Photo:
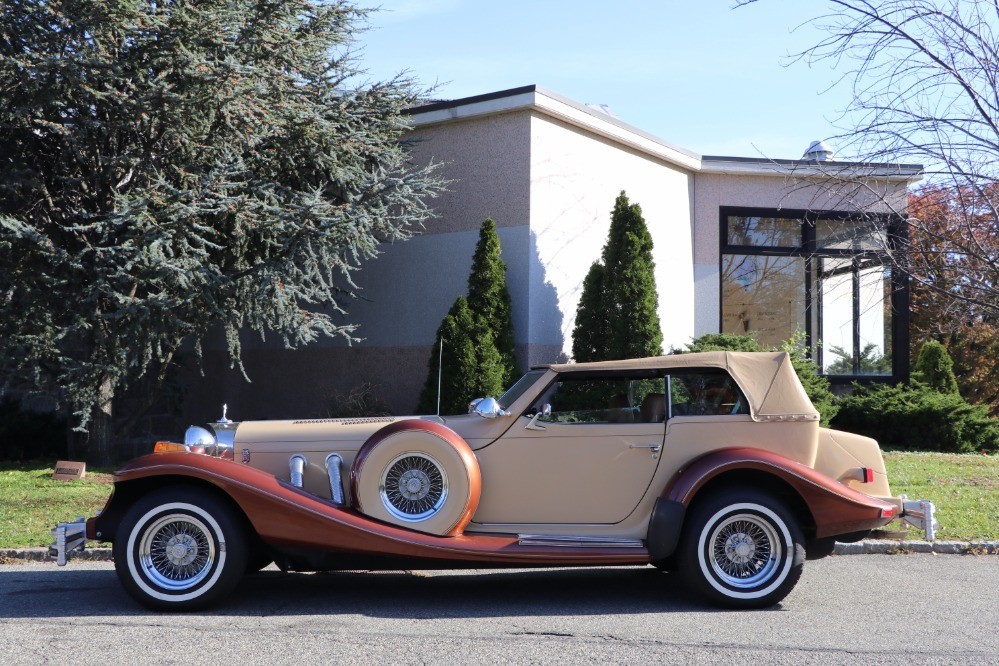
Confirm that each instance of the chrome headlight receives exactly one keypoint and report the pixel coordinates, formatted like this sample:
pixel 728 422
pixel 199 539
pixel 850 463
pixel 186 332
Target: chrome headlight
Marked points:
pixel 198 436
pixel 219 446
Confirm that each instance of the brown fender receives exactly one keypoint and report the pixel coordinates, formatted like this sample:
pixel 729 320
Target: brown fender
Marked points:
pixel 836 508
pixel 285 516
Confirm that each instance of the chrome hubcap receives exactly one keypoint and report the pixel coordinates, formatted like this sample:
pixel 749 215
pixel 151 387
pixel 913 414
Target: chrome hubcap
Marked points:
pixel 745 551
pixel 414 484
pixel 413 487
pixel 177 551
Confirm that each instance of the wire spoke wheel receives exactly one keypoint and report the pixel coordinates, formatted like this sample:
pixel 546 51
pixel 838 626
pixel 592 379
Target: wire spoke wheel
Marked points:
pixel 413 486
pixel 741 548
pixel 418 475
pixel 177 551
pixel 745 551
pixel 180 548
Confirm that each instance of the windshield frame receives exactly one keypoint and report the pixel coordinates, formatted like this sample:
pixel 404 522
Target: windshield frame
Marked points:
pixel 520 387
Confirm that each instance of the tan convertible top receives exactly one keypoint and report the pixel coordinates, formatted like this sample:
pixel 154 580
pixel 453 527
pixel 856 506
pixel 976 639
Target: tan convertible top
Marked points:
pixel 767 378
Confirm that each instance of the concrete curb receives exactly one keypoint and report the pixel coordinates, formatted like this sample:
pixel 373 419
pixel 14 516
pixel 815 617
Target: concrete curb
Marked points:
pixel 870 547
pixel 893 547
pixel 42 554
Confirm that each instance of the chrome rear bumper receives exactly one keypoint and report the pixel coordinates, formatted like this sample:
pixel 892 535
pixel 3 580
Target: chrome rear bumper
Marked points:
pixel 69 539
pixel 921 514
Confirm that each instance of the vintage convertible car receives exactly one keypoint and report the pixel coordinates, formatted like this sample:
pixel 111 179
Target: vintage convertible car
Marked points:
pixel 712 464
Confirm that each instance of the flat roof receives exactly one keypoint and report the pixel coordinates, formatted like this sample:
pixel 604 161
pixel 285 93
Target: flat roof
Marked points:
pixel 541 99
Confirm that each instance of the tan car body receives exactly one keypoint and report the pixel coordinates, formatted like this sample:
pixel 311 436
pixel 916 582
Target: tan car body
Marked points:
pixel 588 479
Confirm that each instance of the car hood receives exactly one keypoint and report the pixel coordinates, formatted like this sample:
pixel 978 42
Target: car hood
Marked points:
pixel 351 433
pixel 312 430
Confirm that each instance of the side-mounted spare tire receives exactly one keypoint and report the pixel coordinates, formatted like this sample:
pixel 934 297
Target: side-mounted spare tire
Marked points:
pixel 417 474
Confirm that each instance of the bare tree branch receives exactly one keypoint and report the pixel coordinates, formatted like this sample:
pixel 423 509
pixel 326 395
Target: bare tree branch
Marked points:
pixel 925 83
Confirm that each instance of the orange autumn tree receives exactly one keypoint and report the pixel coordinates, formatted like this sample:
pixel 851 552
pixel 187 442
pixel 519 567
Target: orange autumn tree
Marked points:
pixel 953 245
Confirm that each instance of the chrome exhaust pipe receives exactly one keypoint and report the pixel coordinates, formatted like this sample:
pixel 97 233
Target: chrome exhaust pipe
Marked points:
pixel 333 463
pixel 296 465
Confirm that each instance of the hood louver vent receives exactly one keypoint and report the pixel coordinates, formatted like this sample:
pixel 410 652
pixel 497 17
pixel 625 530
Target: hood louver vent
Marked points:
pixel 355 421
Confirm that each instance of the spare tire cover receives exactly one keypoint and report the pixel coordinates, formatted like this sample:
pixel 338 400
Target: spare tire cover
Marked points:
pixel 417 474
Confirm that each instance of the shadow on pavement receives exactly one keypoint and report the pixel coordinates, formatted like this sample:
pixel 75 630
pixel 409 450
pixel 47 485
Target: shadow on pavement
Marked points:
pixel 398 594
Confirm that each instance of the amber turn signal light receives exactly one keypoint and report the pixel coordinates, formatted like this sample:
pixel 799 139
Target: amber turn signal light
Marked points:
pixel 167 447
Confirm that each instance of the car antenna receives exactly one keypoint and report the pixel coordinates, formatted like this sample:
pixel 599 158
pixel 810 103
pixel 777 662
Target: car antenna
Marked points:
pixel 440 373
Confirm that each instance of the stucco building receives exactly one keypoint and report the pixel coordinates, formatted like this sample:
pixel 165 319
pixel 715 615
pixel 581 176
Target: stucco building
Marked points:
pixel 741 244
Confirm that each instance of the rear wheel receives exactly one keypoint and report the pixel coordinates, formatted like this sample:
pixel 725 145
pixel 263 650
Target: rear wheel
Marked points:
pixel 179 549
pixel 741 548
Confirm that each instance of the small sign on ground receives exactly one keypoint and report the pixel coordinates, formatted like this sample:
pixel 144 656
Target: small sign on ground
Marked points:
pixel 67 470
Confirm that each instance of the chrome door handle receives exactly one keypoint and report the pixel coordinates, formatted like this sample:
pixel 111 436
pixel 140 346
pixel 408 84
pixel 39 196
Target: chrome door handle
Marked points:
pixel 655 448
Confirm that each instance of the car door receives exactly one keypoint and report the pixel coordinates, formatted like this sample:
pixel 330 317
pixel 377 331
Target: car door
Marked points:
pixel 589 460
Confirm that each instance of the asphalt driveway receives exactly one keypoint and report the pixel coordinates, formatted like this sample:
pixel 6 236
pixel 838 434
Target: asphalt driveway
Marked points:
pixel 904 609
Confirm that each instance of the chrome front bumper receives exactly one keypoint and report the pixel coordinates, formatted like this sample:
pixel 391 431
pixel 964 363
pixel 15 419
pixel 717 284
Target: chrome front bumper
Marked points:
pixel 69 539
pixel 920 514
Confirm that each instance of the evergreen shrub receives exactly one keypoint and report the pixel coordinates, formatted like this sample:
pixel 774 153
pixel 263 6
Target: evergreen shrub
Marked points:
pixel 472 366
pixel 478 358
pixel 935 368
pixel 618 312
pixel 489 298
pixel 918 418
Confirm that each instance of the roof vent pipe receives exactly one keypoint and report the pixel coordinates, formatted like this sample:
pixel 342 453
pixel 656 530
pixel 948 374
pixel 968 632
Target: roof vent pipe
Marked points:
pixel 819 151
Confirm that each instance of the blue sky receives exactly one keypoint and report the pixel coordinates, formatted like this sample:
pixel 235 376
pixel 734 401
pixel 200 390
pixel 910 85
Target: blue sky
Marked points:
pixel 696 73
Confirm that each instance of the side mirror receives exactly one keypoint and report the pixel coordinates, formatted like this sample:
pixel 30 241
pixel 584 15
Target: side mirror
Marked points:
pixel 488 408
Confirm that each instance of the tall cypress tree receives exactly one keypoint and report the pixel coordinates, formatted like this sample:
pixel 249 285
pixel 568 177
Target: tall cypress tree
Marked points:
pixel 489 298
pixel 589 337
pixel 617 316
pixel 472 366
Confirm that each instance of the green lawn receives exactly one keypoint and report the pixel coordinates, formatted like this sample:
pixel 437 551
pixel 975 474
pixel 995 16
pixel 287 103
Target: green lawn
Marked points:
pixel 31 503
pixel 965 489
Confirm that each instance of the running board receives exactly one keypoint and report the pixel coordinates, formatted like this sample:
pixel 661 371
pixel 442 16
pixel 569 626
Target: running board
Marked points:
pixel 571 541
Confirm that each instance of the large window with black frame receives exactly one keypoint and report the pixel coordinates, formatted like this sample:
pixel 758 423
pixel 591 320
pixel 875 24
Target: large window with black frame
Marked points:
pixel 821 274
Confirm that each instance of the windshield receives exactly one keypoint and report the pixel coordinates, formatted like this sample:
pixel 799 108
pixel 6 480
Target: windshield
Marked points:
pixel 518 389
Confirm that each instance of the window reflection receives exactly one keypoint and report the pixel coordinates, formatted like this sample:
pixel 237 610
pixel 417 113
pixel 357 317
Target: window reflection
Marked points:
pixel 819 275
pixel 861 235
pixel 854 314
pixel 705 393
pixel 763 294
pixel 764 231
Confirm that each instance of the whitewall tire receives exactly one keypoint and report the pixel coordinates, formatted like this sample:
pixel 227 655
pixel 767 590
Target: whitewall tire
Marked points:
pixel 180 548
pixel 741 548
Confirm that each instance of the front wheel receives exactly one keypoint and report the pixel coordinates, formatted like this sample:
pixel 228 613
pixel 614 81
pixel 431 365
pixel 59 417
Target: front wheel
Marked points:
pixel 180 549
pixel 742 548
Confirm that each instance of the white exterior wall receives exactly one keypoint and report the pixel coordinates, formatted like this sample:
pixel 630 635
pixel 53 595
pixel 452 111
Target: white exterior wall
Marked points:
pixel 575 178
